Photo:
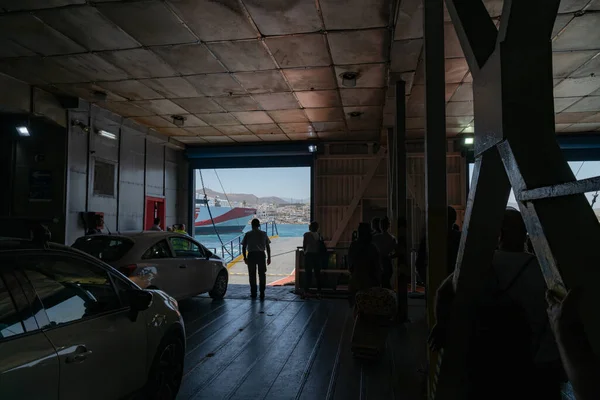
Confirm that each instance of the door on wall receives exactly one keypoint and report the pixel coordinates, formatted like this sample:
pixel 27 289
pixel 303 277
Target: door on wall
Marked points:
pixel 155 208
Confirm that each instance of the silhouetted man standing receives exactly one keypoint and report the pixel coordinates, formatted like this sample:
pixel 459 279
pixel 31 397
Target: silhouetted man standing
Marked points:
pixel 257 242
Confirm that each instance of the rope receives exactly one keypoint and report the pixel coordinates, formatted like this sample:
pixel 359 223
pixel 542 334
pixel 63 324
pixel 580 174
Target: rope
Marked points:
pixel 222 188
pixel 595 195
pixel 211 217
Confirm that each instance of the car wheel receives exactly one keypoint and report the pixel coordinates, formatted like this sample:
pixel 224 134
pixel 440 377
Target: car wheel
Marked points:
pixel 167 370
pixel 220 288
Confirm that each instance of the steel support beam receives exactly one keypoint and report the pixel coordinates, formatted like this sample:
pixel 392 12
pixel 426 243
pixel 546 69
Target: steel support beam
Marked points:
pixel 516 143
pixel 403 269
pixel 563 189
pixel 435 157
pixel 391 174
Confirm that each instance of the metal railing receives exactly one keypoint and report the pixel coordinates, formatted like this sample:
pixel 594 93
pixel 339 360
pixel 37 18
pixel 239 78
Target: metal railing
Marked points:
pixel 233 248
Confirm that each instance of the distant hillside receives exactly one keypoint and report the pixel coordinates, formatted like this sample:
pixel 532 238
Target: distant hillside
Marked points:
pixel 250 199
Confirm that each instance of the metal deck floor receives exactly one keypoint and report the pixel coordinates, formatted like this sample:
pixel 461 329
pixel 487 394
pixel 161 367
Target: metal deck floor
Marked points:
pixel 285 348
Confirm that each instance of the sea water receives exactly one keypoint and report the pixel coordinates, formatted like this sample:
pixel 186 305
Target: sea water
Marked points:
pixel 283 230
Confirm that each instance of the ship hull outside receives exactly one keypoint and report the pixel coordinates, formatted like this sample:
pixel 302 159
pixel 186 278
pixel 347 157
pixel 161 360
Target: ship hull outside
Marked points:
pixel 227 220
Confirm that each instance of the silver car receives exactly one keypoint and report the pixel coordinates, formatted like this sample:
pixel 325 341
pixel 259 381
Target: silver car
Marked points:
pixel 174 263
pixel 72 327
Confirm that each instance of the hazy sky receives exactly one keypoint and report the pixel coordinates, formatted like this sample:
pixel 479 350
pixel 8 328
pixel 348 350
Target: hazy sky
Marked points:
pixel 583 170
pixel 286 183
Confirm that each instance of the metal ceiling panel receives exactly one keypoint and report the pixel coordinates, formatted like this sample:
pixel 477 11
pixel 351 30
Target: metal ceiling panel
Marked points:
pixel 39 70
pixel 564 63
pixel 456 69
pixel 369 75
pixel 589 69
pixel 464 92
pixel 264 129
pixel 237 103
pixel 358 124
pixel 234 130
pixel 216 84
pixel 297 127
pixel 415 123
pixel 191 140
pixel 367 113
pixel 494 7
pixel 359 47
pixel 300 50
pixel 355 14
pixel 160 106
pixel 310 78
pixel 405 55
pixel 325 114
pixel 288 116
pixel 262 81
pixel 572 117
pixel 191 121
pixel 218 139
pixel 172 87
pixel 452 47
pixel 461 122
pixel 91 66
pixel 450 90
pixel 277 101
pixel 149 22
pixel 561 103
pixel 131 90
pixel 333 126
pixel 459 108
pixel 139 63
pixel 86 91
pixel 246 138
pixel 17 5
pixel 581 33
pixel 362 97
pixel 214 20
pixel 300 136
pixel 276 17
pixel 179 132
pixel 8 48
pixel 407 77
pixel 189 59
pixel 337 135
pixel 577 87
pixel 569 6
pixel 126 109
pixel 253 117
pixel 204 131
pixel 30 32
pixel 217 119
pixel 154 121
pixel 319 98
pixel 409 21
pixel 87 26
pixel 274 137
pixel 198 105
pixel 583 127
pixel 590 103
pixel 247 55
pixel 560 23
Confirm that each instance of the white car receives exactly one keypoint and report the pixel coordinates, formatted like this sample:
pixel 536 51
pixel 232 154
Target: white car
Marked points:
pixel 72 327
pixel 174 263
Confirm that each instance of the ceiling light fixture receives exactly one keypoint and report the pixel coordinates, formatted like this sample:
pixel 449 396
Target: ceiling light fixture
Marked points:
pixel 107 134
pixel 355 114
pixel 23 131
pixel 178 120
pixel 469 140
pixel 312 148
pixel 100 95
pixel 349 78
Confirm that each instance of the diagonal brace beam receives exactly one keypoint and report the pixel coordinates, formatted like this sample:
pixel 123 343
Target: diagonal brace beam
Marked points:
pixel 564 189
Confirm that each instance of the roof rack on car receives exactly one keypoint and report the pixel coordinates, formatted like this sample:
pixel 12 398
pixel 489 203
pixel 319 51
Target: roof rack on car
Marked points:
pixel 32 228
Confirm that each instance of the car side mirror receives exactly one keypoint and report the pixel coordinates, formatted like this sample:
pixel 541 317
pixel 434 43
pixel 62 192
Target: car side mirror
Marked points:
pixel 139 300
pixel 209 255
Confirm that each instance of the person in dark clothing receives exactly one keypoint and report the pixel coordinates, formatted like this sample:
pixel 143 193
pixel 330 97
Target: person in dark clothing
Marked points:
pixel 387 245
pixel 452 249
pixel 257 242
pixel 312 257
pixel 364 261
pixel 376 226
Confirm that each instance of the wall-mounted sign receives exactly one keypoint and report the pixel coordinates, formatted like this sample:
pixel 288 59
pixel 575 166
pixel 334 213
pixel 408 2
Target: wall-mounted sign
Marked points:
pixel 40 186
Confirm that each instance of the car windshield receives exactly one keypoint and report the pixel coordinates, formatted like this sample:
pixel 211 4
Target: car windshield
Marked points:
pixel 106 248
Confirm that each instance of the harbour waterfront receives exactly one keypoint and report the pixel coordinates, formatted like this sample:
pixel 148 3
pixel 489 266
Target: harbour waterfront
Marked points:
pixel 285 231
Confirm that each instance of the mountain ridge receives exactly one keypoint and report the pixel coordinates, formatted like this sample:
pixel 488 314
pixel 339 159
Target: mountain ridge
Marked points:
pixel 250 199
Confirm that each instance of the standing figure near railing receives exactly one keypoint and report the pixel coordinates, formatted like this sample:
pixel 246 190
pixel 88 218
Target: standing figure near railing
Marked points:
pixel 313 259
pixel 257 242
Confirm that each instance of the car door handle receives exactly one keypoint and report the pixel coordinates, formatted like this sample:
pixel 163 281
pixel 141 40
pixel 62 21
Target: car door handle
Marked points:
pixel 81 354
pixel 183 266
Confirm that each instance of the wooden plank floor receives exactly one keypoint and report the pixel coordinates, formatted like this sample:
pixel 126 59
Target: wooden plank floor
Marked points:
pixel 285 348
